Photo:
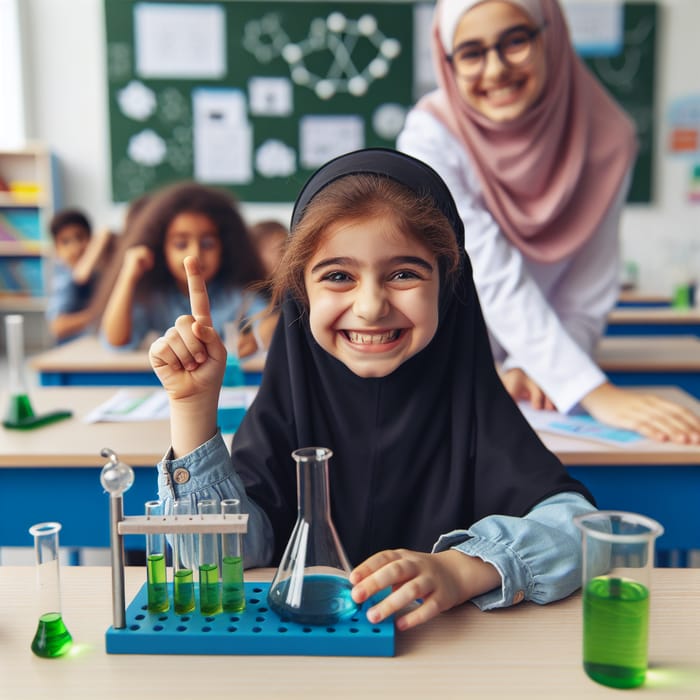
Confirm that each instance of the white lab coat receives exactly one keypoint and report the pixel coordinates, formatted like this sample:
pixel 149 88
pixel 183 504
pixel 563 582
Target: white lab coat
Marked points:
pixel 544 318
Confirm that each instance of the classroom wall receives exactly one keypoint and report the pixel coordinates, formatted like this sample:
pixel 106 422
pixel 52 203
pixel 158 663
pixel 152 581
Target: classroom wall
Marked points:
pixel 67 109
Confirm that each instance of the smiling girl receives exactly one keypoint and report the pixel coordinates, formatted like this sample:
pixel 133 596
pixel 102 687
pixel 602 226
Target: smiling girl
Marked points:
pixel 439 488
pixel 538 159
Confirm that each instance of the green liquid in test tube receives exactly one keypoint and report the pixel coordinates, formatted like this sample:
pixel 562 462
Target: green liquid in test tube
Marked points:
pixel 156 574
pixel 183 591
pixel 615 631
pixel 209 584
pixel 157 583
pixel 233 595
pixel 183 558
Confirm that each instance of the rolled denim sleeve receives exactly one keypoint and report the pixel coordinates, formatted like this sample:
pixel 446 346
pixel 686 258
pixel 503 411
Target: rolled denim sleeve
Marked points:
pixel 538 556
pixel 207 472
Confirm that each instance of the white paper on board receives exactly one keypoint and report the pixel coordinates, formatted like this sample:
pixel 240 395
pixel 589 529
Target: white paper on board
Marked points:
pixel 222 136
pixel 180 41
pixel 323 138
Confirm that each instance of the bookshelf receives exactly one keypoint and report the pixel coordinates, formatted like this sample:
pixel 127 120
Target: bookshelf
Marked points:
pixel 27 202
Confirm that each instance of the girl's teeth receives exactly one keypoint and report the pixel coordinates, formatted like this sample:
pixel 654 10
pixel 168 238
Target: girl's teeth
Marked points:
pixel 372 338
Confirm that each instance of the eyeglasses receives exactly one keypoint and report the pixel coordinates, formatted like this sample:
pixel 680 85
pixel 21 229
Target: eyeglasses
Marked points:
pixel 514 48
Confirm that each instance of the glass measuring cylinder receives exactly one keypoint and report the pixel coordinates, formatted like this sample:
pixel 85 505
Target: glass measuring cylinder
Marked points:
pixel 183 563
pixel 311 584
pixel 233 593
pixel 156 571
pixel 618 557
pixel 209 586
pixel 19 407
pixel 52 638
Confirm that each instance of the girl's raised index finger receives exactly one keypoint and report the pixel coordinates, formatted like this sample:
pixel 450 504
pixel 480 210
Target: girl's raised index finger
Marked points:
pixel 199 299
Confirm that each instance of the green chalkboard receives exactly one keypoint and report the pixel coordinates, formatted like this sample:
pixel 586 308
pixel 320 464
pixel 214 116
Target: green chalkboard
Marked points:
pixel 254 96
pixel 251 95
pixel 630 77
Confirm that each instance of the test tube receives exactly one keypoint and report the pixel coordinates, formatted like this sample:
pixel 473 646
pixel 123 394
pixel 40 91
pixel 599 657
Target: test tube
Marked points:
pixel 209 587
pixel 52 638
pixel 183 562
pixel 20 407
pixel 156 574
pixel 232 561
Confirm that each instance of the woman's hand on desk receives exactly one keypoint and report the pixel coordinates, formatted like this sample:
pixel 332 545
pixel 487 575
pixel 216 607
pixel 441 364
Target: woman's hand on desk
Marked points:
pixel 427 584
pixel 189 361
pixel 646 413
pixel 522 388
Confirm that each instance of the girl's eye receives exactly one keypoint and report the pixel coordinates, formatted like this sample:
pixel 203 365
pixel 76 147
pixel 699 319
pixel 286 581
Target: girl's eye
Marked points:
pixel 208 243
pixel 336 277
pixel 405 275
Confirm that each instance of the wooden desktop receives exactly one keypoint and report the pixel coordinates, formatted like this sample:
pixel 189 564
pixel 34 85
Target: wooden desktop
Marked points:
pixel 526 651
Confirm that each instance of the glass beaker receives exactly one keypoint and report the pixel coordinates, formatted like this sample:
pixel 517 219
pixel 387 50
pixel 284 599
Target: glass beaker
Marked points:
pixel 618 557
pixel 183 563
pixel 233 594
pixel 311 585
pixel 52 638
pixel 209 587
pixel 156 571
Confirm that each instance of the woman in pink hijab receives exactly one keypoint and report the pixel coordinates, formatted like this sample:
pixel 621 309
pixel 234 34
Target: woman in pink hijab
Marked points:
pixel 538 158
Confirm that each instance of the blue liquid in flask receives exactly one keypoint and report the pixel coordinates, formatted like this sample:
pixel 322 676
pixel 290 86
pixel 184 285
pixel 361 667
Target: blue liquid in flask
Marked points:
pixel 325 600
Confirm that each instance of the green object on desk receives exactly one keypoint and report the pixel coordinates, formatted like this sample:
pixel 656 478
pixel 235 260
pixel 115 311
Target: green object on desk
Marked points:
pixel 21 416
pixel 615 631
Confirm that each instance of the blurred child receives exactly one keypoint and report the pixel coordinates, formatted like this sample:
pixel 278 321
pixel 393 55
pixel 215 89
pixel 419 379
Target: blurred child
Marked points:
pixel 73 279
pixel 270 239
pixel 150 287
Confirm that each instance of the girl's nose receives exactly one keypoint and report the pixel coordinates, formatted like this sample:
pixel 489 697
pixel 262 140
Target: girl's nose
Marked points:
pixel 371 303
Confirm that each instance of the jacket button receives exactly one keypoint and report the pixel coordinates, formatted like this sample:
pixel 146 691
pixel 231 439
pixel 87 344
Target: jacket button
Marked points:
pixel 518 597
pixel 181 475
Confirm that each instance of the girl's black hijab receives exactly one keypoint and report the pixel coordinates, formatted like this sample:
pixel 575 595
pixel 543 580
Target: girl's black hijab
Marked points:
pixel 432 447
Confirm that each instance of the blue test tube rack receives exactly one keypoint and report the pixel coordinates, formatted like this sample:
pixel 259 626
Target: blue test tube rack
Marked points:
pixel 257 630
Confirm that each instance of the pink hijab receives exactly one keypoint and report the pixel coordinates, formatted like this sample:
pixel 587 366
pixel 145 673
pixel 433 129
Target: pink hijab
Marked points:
pixel 549 176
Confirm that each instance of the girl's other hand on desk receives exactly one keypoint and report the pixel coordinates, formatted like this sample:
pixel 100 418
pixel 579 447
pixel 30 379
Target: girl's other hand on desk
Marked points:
pixel 428 584
pixel 648 414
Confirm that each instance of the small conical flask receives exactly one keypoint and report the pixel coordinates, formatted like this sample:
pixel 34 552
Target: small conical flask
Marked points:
pixel 311 585
pixel 52 638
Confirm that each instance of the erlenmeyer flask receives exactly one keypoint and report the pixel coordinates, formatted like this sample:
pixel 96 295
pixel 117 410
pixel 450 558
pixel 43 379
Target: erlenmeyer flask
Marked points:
pixel 311 585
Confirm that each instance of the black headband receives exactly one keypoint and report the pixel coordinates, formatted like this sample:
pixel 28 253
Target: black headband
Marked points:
pixel 408 171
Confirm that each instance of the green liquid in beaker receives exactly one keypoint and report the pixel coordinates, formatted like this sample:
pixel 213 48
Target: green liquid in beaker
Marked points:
pixel 19 409
pixel 157 583
pixel 183 591
pixel 52 638
pixel 233 588
pixel 209 589
pixel 615 631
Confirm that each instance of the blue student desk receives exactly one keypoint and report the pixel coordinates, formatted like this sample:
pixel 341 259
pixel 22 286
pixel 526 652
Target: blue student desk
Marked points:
pixel 636 299
pixel 652 361
pixel 53 473
pixel 653 321
pixel 87 362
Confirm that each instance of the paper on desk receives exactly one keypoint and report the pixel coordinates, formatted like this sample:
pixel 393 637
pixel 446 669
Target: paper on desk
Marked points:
pixel 128 405
pixel 579 426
